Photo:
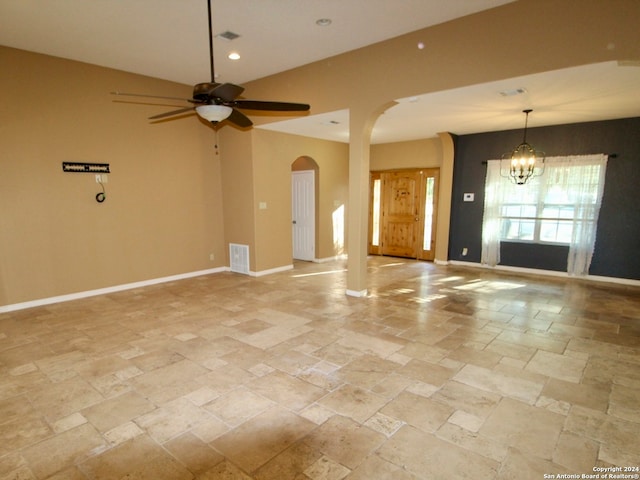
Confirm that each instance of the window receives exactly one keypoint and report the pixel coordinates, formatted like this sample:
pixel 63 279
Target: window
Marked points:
pixel 560 207
pixel 542 211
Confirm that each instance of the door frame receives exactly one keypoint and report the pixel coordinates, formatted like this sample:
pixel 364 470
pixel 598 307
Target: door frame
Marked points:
pixel 378 190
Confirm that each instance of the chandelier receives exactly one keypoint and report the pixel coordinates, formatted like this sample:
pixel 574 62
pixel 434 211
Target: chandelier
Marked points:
pixel 524 161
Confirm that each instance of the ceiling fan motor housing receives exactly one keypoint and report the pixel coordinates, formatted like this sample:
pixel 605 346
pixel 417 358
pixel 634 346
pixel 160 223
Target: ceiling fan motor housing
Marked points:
pixel 202 91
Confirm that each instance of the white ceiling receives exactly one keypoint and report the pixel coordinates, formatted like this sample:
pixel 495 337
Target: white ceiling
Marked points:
pixel 168 39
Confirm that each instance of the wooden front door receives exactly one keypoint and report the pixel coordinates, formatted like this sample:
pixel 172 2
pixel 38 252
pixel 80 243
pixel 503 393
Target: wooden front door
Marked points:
pixel 403 213
pixel 400 210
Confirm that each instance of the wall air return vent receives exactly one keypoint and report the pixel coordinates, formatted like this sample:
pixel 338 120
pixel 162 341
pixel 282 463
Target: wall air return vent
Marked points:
pixel 239 258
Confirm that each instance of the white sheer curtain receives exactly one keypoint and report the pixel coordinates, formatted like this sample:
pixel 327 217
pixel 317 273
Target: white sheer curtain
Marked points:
pixel 573 182
pixel 494 193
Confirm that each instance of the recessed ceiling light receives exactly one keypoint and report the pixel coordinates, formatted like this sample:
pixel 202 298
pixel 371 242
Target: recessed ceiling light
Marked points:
pixel 323 22
pixel 234 56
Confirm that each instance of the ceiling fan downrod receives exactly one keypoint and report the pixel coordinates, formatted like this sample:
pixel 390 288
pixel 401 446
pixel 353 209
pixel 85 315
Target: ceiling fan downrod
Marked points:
pixel 213 73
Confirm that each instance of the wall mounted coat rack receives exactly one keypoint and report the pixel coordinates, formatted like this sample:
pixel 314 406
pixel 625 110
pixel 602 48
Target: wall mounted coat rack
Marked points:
pixel 85 167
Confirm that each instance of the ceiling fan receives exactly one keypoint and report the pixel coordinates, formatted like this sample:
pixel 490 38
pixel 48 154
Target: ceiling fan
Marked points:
pixel 216 102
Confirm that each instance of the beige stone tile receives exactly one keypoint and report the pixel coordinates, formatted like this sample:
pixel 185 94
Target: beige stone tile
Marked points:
pixel 71 473
pixel 172 419
pixel 466 420
pixel 558 366
pixel 474 401
pixel 224 470
pixel 223 379
pixel 14 467
pixel 527 467
pixel 377 468
pixel 422 351
pixel 122 433
pixel 210 429
pixel 426 372
pixel 292 362
pixel 408 448
pixel 318 414
pixel 289 464
pixel 539 341
pixel 255 442
pixel 372 345
pixel 59 400
pixel 286 390
pixel 577 453
pixel 193 453
pixel 500 383
pixel 606 429
pixel 67 423
pixel 512 350
pixel 625 403
pixel 238 405
pixel 326 469
pixel 418 411
pixel 473 442
pixel 169 382
pixel 587 395
pixel 116 411
pixel 273 336
pixel 366 371
pixel 344 441
pixel 531 430
pixel 614 457
pixel 384 424
pixel 353 402
pixel 138 458
pixel 392 385
pixel 480 358
pixel 55 453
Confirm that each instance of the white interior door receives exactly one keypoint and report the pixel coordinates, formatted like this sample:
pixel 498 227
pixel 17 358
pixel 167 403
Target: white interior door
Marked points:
pixel 303 214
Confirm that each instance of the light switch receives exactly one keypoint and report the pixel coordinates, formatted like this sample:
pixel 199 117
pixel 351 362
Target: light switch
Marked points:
pixel 262 205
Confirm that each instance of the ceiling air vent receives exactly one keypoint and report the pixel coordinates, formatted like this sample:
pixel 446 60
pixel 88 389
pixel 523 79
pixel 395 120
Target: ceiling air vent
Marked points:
pixel 512 92
pixel 227 35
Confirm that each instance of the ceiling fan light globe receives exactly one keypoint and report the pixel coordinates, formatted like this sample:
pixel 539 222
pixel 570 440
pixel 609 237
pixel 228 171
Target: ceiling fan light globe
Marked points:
pixel 214 113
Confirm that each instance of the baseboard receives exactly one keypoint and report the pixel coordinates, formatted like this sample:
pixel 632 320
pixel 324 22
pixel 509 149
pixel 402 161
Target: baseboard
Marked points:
pixel 261 273
pixel 551 273
pixel 103 291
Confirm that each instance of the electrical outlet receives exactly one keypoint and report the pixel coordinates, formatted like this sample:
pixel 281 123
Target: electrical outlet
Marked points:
pixel 98 178
pixel 212 256
pixel 465 250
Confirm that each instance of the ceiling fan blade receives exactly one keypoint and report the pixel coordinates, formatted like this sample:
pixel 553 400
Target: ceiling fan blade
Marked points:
pixel 227 92
pixel 173 112
pixel 148 96
pixel 272 106
pixel 240 119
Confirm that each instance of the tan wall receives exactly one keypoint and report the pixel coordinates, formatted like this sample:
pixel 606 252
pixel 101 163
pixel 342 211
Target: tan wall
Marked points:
pixel 274 153
pixel 162 215
pixel 425 153
pixel 238 190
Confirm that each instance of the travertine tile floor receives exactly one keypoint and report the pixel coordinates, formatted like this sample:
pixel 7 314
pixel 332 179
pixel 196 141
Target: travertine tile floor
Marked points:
pixel 441 373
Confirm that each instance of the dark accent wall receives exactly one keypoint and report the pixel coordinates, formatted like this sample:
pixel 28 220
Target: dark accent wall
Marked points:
pixel 617 250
